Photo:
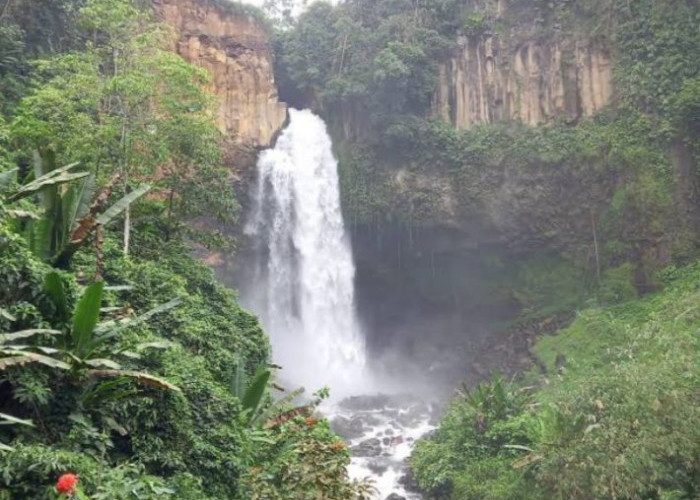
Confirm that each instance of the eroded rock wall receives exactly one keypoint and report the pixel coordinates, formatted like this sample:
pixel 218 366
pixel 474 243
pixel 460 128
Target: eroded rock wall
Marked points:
pixel 235 49
pixel 489 79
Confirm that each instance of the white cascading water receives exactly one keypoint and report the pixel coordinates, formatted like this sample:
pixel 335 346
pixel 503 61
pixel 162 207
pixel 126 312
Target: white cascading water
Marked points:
pixel 304 285
pixel 303 290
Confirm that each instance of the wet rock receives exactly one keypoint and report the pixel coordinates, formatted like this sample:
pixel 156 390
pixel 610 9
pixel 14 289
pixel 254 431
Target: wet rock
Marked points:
pixel 395 441
pixel 395 496
pixel 369 448
pixel 348 428
pixel 378 467
pixel 408 480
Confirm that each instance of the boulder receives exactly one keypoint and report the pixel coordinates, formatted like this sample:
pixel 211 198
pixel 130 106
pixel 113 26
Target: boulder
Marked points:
pixel 368 448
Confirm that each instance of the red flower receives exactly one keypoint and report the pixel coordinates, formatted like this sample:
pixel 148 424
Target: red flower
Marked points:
pixel 67 483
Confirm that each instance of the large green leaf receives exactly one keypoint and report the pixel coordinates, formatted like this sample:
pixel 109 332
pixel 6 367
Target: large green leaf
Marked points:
pixel 11 337
pixel 53 286
pixel 5 314
pixel 278 407
pixel 54 178
pixel 6 419
pixel 87 313
pixel 103 363
pixel 114 389
pixel 140 377
pixel 73 205
pixel 171 304
pixel 256 391
pixel 80 206
pixel 39 235
pixel 121 205
pixel 19 358
pixel 110 329
pixel 23 214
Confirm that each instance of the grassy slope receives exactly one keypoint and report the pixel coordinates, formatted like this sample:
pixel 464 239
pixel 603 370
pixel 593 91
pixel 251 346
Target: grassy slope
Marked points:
pixel 617 420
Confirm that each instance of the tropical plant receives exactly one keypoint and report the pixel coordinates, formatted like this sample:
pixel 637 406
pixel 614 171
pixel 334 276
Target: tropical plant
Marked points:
pixel 10 420
pixel 72 207
pixel 83 348
pixel 258 408
pixel 128 108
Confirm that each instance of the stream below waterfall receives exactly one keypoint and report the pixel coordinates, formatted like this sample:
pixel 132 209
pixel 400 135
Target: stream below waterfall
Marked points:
pixel 302 287
pixel 381 431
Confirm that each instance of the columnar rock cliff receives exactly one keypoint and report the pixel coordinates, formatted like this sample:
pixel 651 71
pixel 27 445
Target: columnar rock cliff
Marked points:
pixel 487 80
pixel 235 49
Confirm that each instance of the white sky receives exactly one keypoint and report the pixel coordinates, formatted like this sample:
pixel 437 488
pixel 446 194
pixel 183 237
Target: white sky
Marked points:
pixel 298 2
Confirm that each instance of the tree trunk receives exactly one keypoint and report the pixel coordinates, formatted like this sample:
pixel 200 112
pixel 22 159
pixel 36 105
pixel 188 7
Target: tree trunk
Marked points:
pixel 127 219
pixel 595 247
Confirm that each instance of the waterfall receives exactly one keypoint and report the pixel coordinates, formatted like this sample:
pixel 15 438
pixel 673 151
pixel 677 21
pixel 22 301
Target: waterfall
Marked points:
pixel 303 285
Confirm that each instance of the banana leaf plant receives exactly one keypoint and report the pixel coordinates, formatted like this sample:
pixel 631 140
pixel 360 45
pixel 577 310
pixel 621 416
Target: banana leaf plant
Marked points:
pixel 258 410
pixel 85 347
pixel 72 207
pixel 10 420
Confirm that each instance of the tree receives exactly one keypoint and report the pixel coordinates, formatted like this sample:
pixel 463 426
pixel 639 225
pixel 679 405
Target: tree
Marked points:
pixel 127 106
pixel 282 11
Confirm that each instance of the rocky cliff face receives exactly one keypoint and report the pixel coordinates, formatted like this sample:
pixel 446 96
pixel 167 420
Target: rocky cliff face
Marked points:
pixel 235 49
pixel 490 79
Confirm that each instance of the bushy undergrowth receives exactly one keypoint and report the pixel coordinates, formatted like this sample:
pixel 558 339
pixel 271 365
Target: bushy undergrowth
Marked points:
pixel 157 444
pixel 615 417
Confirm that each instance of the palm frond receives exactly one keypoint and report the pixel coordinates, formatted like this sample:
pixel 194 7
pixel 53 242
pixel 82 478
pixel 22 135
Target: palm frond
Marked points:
pixel 121 205
pixel 54 178
pixel 24 334
pixel 140 377
pixel 19 358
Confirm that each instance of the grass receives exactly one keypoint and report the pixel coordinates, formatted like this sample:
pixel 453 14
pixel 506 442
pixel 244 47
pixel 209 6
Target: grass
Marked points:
pixel 617 419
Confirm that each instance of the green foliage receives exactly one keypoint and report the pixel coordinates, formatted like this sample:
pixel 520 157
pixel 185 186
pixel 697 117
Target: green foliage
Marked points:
pixel 30 465
pixel 237 7
pixel 428 166
pixel 615 419
pixel 252 398
pixel 686 110
pixel 14 67
pixel 126 105
pixel 380 57
pixel 10 420
pixel 305 459
pixel 617 285
pixel 195 444
pixel 657 46
pixel 547 285
pixel 81 349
